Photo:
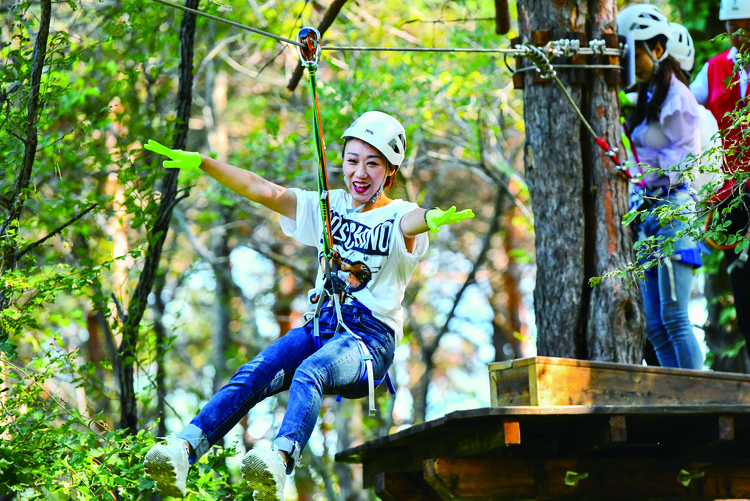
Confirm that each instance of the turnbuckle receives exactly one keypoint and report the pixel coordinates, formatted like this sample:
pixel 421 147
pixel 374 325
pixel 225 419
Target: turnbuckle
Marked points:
pixel 309 54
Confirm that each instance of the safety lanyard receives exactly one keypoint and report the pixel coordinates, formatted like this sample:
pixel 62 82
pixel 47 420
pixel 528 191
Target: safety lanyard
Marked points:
pixel 309 56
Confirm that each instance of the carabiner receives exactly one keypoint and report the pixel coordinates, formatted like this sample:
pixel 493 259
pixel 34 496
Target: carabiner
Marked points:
pixel 309 55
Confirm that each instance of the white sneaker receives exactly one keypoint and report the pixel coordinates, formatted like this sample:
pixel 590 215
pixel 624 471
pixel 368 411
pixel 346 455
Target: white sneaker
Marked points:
pixel 265 472
pixel 168 465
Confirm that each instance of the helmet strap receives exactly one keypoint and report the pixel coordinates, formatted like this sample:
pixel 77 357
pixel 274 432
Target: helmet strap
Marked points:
pixel 657 62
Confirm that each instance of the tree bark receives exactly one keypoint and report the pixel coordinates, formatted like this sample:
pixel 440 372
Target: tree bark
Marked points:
pixel 23 179
pixel 161 352
pixel 554 172
pixel 220 336
pixel 578 201
pixel 616 325
pixel 158 233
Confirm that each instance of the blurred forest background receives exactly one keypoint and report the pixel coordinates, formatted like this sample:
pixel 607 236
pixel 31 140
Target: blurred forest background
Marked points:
pixel 105 348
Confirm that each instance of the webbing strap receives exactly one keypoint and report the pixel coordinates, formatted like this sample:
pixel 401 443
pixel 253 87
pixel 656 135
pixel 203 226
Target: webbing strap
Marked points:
pixel 365 354
pixel 316 317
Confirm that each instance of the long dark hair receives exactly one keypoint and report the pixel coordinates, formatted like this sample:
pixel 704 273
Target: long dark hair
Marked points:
pixel 660 82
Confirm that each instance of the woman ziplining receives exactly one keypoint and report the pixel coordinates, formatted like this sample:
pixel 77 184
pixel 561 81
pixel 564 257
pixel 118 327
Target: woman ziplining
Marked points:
pixel 368 245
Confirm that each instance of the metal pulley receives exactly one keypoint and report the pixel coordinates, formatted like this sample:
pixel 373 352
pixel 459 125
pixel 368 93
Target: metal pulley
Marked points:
pixel 309 52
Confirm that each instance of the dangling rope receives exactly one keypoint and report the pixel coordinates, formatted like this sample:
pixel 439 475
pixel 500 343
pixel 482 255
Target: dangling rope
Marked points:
pixel 547 71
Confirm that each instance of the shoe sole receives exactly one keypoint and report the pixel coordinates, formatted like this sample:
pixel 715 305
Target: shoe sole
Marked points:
pixel 159 469
pixel 259 478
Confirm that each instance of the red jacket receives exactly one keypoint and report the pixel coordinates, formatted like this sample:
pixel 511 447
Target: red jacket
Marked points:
pixel 723 98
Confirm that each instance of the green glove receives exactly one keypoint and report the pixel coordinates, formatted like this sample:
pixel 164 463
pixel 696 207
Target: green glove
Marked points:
pixel 435 218
pixel 178 159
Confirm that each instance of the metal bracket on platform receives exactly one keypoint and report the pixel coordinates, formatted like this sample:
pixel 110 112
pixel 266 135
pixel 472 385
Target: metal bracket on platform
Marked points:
pixel 685 476
pixel 572 478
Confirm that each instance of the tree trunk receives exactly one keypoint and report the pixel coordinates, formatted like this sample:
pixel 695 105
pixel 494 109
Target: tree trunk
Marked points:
pixel 222 302
pixel 616 325
pixel 161 353
pixel 23 177
pixel 509 331
pixel 554 172
pixel 158 233
pixel 578 200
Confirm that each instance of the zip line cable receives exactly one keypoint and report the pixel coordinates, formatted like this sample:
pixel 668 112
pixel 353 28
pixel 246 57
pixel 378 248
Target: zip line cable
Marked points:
pixel 231 23
pixel 555 47
pixel 560 48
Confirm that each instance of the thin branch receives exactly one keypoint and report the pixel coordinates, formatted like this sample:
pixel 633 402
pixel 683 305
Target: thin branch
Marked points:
pixel 478 262
pixel 118 307
pixel 57 230
pixel 307 277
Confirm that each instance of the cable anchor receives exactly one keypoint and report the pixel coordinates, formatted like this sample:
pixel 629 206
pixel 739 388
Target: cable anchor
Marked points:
pixel 539 59
pixel 310 49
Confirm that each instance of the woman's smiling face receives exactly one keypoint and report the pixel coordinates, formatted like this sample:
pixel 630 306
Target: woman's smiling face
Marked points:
pixel 364 171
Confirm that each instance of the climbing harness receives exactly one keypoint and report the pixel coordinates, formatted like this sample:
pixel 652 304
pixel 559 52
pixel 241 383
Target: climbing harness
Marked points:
pixel 333 290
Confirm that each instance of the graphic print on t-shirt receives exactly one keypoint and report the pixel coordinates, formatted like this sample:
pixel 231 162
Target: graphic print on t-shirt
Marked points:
pixel 353 276
pixel 357 243
pixel 351 235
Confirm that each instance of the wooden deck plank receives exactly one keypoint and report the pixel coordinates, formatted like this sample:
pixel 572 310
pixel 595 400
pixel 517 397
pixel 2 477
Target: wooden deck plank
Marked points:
pixel 397 486
pixel 457 421
pixel 611 479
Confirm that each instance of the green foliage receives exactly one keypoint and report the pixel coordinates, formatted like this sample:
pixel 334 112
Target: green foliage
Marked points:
pixel 109 84
pixel 53 451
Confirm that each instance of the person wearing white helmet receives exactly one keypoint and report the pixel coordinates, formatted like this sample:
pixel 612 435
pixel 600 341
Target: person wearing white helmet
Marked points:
pixel 681 47
pixel 722 86
pixel 664 131
pixel 377 244
pixel 683 50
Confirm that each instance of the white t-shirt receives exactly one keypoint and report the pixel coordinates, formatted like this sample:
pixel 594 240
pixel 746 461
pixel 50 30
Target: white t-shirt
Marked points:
pixel 376 266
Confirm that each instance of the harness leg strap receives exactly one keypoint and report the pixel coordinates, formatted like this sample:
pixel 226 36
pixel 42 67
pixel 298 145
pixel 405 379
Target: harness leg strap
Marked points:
pixel 389 382
pixel 365 352
pixel 316 334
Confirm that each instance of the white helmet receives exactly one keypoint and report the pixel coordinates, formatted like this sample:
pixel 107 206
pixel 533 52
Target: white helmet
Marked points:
pixel 644 21
pixel 734 9
pixel 382 132
pixel 681 47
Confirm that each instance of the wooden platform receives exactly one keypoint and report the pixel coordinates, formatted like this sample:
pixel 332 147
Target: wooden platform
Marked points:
pixel 622 451
pixel 549 381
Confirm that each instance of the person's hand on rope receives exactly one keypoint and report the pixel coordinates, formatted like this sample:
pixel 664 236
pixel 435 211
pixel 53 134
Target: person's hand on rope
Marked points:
pixel 435 218
pixel 178 159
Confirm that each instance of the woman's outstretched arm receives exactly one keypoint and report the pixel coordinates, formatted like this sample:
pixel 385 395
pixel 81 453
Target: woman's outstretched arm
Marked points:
pixel 243 182
pixel 252 186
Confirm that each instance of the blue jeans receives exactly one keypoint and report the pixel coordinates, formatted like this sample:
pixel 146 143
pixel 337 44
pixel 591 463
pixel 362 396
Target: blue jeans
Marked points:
pixel 666 293
pixel 292 363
